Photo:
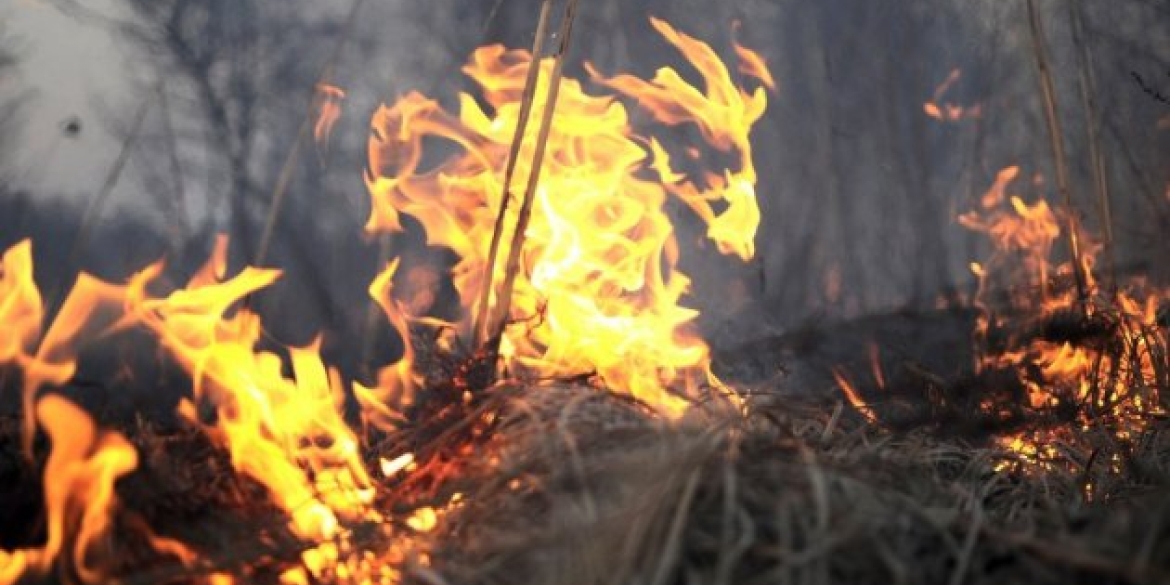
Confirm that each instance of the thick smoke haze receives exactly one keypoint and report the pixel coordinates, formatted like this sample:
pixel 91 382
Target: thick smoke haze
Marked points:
pixel 859 186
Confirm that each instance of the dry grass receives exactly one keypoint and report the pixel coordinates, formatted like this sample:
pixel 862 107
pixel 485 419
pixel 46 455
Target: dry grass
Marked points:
pixel 564 484
pixel 588 491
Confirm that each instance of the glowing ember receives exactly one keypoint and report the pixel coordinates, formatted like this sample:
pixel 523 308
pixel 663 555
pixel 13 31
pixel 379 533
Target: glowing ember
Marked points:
pixel 853 396
pixel 391 467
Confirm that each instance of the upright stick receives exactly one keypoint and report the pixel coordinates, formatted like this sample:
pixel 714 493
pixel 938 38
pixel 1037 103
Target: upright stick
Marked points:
pixel 1056 136
pixel 481 314
pixel 1088 86
pixel 503 307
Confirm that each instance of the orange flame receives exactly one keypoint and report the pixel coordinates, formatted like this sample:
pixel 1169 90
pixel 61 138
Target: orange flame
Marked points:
pixel 853 396
pixel 20 303
pixel 328 107
pixel 949 112
pixel 79 481
pixel 599 293
pixel 1113 384
pixel 397 382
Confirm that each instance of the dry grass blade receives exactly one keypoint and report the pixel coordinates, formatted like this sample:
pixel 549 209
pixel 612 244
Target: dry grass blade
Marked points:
pixel 503 307
pixel 1056 136
pixel 1088 86
pixel 481 315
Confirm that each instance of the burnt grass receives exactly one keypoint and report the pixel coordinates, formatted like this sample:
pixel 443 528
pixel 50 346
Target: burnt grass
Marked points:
pixel 564 483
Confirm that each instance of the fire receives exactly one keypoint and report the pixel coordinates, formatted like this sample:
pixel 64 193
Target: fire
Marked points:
pixel 397 382
pixel 20 303
pixel 853 396
pixel 599 292
pixel 287 433
pixel 948 111
pixel 80 502
pixel 1109 370
pixel 328 111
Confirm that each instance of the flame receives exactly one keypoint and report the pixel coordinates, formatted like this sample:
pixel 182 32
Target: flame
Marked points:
pixel 20 303
pixel 599 291
pixel 1112 382
pixel 328 106
pixel 947 111
pixel 599 294
pixel 853 396
pixel 287 433
pixel 1021 229
pixel 47 359
pixel 397 382
pixel 79 494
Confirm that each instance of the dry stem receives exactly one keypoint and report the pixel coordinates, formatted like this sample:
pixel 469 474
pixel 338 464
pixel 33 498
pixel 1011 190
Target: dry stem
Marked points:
pixel 1088 87
pixel 503 307
pixel 1056 136
pixel 481 315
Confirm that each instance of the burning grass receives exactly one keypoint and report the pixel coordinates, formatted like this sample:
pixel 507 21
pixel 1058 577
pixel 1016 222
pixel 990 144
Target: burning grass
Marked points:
pixel 576 485
pixel 568 428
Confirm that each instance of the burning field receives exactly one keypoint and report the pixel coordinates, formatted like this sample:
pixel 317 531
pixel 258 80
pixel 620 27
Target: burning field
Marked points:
pixel 566 422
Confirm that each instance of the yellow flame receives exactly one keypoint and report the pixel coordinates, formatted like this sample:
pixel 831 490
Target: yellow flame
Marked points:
pixel 599 291
pixel 286 433
pixel 397 382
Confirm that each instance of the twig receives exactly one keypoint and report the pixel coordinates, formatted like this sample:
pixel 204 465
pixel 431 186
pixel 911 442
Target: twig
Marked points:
pixel 503 307
pixel 1056 136
pixel 481 316
pixel 1088 85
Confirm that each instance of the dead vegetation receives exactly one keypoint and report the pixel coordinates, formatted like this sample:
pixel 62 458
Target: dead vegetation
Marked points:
pixel 575 485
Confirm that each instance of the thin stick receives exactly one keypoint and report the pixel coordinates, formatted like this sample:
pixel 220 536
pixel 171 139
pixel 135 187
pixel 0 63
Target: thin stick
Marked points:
pixel 503 307
pixel 1088 85
pixel 481 316
pixel 1056 136
pixel 284 179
